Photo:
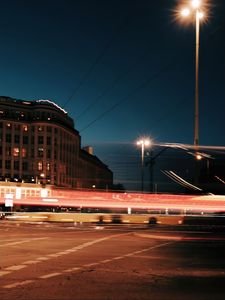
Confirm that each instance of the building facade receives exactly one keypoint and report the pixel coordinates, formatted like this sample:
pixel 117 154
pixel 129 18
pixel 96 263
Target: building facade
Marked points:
pixel 39 144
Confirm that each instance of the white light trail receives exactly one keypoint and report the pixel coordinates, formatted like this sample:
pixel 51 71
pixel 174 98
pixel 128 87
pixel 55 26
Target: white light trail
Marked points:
pixel 180 180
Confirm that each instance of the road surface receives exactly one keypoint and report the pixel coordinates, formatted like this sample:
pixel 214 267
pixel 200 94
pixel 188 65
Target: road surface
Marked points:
pixel 64 262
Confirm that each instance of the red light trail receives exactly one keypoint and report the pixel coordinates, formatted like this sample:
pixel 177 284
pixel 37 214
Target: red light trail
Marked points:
pixel 90 199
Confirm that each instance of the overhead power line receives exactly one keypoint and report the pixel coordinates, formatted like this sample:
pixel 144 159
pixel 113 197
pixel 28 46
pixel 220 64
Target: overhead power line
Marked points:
pixel 132 93
pixel 98 58
pixel 115 82
pixel 161 71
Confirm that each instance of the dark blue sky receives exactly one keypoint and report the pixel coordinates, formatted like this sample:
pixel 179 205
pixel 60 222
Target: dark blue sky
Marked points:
pixel 121 68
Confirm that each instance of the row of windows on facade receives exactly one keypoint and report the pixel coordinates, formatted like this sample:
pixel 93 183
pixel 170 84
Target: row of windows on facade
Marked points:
pixel 25 128
pixel 25 139
pixel 37 115
pixel 26 178
pixel 38 128
pixel 65 146
pixel 17 152
pixel 16 165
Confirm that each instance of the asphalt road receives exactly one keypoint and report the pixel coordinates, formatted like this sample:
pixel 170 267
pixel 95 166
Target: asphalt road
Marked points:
pixel 51 261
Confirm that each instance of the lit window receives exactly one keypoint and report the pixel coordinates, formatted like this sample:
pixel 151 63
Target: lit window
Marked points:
pixel 16 152
pixel 48 166
pixel 40 166
pixel 24 152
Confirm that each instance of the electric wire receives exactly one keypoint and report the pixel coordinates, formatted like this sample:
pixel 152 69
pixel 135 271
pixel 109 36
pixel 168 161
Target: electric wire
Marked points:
pixel 98 58
pixel 161 71
pixel 132 93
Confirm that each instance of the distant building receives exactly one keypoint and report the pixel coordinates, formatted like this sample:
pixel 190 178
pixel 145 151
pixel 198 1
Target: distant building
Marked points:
pixel 38 143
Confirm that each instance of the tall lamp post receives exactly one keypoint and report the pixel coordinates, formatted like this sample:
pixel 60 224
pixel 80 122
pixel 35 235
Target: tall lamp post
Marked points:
pixel 196 8
pixel 143 143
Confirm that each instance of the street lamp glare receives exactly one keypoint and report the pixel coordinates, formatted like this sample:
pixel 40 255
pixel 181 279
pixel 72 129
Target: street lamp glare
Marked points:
pixel 143 142
pixel 185 12
pixel 200 14
pixel 198 156
pixel 196 3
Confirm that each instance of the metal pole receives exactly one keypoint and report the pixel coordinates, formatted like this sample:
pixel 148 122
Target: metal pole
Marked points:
pixel 151 166
pixel 196 132
pixel 196 121
pixel 142 166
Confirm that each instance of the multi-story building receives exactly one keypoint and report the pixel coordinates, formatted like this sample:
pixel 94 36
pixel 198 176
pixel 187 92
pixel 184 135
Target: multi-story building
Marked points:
pixel 39 144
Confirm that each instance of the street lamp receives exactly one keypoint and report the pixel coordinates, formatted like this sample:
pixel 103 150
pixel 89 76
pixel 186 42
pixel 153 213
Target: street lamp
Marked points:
pixel 143 143
pixel 196 9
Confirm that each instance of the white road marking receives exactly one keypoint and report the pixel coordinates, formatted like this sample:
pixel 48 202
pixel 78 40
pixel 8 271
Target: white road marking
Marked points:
pixel 23 241
pixel 54 255
pixel 71 269
pixel 2 273
pixel 160 237
pixel 74 249
pixel 49 275
pixel 31 262
pixel 90 265
pixel 118 257
pixel 43 258
pixel 105 261
pixel 10 286
pixel 15 268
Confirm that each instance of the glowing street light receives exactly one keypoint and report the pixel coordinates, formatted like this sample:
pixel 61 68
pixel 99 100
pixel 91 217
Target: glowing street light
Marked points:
pixel 143 143
pixel 185 12
pixel 196 9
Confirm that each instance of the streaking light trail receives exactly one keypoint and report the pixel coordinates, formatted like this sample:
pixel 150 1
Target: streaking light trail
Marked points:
pixel 90 199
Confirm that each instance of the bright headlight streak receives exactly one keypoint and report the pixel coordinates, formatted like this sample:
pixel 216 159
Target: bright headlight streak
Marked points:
pixel 180 180
pixel 221 180
pixel 49 200
pixel 184 181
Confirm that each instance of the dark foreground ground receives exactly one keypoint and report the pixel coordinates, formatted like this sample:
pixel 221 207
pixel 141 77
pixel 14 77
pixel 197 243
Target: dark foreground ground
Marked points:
pixel 63 262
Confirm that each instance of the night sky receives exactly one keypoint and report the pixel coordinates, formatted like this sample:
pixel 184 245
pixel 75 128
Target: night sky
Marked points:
pixel 121 68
